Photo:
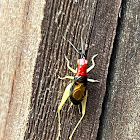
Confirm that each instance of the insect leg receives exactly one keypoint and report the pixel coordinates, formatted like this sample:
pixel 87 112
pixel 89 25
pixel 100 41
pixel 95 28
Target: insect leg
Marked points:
pixel 74 71
pixel 83 113
pixel 79 109
pixel 70 106
pixel 66 77
pixel 64 98
pixel 93 63
pixel 92 80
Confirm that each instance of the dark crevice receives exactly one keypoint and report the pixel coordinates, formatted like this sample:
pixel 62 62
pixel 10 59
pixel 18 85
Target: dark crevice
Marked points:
pixel 111 69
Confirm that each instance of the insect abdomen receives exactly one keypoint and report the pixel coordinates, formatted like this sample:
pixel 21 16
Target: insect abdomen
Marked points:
pixel 78 93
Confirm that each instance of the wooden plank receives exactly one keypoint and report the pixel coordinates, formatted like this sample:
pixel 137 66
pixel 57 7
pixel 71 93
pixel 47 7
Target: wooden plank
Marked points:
pixel 67 18
pixel 121 118
pixel 20 33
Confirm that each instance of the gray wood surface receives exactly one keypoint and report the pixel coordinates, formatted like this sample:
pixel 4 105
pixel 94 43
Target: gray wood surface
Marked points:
pixel 32 52
pixel 67 18
pixel 121 115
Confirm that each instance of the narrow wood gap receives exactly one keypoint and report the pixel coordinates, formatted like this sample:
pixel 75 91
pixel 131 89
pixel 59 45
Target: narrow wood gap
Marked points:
pixel 110 69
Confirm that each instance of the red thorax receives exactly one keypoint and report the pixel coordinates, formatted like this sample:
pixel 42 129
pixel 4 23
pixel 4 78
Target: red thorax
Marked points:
pixel 82 67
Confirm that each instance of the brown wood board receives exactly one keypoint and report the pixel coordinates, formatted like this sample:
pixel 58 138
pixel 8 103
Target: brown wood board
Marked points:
pixel 30 67
pixel 67 18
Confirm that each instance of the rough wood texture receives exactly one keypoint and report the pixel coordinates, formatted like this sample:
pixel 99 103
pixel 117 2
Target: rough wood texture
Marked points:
pixel 67 18
pixel 20 31
pixel 121 117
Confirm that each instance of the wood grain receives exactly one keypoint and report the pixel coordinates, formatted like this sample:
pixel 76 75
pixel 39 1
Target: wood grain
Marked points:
pixel 121 116
pixel 32 52
pixel 67 18
pixel 20 34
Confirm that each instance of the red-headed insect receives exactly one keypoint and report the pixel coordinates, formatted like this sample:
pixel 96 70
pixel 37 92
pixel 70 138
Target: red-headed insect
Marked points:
pixel 77 90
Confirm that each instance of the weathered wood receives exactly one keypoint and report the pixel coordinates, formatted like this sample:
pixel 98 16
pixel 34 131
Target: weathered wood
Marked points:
pixel 67 18
pixel 121 117
pixel 20 34
pixel 20 37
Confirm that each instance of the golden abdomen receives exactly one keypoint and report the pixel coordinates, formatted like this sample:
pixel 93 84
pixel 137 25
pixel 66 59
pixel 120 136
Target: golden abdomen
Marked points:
pixel 78 93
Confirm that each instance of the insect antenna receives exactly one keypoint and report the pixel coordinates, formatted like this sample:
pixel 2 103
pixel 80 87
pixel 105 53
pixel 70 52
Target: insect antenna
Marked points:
pixel 82 44
pixel 73 46
pixel 83 51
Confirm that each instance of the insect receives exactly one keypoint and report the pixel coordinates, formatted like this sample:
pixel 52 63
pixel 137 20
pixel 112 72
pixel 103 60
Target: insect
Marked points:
pixel 77 90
